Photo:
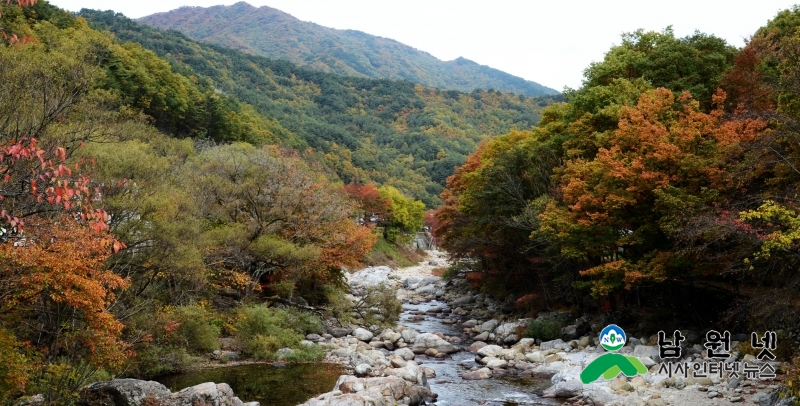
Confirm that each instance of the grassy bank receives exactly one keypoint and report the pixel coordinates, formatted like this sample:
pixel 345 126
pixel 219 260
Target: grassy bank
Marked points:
pixel 393 254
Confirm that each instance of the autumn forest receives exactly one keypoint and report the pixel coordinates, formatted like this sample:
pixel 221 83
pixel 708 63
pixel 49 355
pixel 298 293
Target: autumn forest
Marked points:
pixel 159 192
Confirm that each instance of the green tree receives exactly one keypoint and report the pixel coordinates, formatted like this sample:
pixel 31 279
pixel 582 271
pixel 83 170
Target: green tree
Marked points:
pixel 696 63
pixel 406 214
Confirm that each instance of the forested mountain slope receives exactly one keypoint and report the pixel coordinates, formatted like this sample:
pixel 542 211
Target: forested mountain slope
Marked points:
pixel 389 132
pixel 274 34
pixel 132 213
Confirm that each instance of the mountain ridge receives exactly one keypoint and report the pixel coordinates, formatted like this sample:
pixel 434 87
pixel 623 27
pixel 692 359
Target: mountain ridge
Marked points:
pixel 275 34
pixel 389 132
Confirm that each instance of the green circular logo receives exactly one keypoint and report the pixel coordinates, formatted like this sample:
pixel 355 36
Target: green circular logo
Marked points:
pixel 611 364
pixel 612 338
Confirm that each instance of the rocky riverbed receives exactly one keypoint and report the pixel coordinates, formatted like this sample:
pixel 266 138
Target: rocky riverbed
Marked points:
pixel 455 346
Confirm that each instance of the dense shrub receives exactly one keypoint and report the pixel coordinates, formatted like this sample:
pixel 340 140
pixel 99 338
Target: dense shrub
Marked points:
pixel 792 377
pixel 59 382
pixel 544 328
pixel 154 359
pixel 378 305
pixel 165 340
pixel 198 329
pixel 263 330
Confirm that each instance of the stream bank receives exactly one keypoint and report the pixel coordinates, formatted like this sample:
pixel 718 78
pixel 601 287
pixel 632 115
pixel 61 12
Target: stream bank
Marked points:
pixel 453 346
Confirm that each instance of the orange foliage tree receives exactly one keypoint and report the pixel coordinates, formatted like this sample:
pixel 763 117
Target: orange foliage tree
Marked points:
pixel 623 209
pixel 54 286
pixel 373 207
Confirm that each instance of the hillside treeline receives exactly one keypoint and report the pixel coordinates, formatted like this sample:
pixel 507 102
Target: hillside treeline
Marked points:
pixel 665 188
pixel 390 132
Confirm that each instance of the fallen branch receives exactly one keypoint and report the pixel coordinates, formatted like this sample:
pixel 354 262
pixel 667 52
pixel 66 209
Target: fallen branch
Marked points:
pixel 287 302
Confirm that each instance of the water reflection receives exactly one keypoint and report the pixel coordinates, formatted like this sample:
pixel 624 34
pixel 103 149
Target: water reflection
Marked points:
pixel 274 386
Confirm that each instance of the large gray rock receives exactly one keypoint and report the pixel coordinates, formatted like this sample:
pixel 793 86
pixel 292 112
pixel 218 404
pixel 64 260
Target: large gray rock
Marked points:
pixel 507 329
pixel 597 394
pixel 133 392
pixel 577 358
pixel 342 352
pixel 569 374
pixel 358 358
pixel 494 363
pixel 405 354
pixel 428 280
pixel 339 332
pixel 411 372
pixel 206 394
pixel 570 332
pixel 564 389
pixel 362 334
pixel 409 335
pixel 549 345
pixel 491 351
pixel 463 300
pixel 283 353
pixel 490 325
pixel 648 351
pixel 575 331
pixel 384 391
pixel 483 373
pixel 369 277
pixel 425 341
pixel 426 290
pixel 766 398
pixel 412 282
pixel 363 369
pixel 545 371
pixel 392 336
pixel 122 392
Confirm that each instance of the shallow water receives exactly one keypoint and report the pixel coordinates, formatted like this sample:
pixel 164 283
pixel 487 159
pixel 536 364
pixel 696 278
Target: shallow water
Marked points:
pixel 452 390
pixel 294 384
pixel 272 386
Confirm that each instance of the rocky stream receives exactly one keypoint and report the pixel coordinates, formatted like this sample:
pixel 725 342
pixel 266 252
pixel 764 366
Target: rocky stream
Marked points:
pixel 455 346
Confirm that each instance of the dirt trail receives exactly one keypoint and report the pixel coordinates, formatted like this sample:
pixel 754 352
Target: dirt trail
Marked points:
pixel 434 259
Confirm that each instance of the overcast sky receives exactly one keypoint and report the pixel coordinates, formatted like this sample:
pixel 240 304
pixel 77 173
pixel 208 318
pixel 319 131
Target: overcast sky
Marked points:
pixel 549 42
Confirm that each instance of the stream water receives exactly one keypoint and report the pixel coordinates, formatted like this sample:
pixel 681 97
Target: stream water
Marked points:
pixel 289 385
pixel 295 383
pixel 452 390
